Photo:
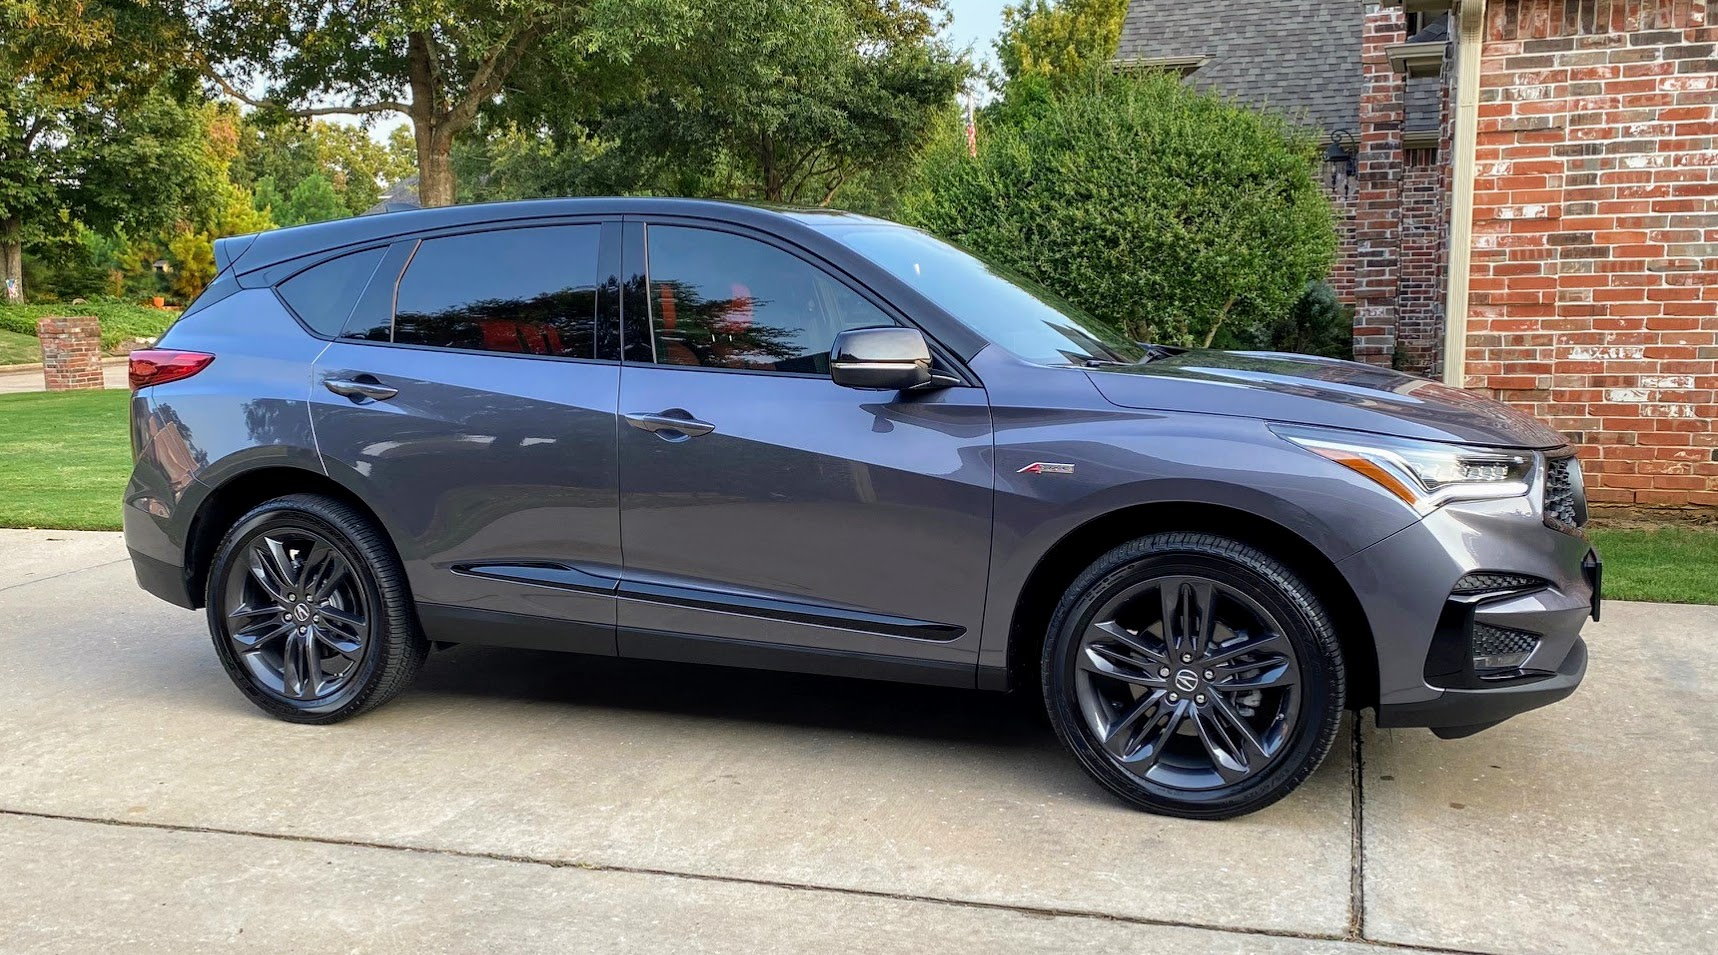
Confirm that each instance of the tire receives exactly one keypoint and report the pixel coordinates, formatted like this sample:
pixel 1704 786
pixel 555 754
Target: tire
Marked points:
pixel 1209 738
pixel 350 642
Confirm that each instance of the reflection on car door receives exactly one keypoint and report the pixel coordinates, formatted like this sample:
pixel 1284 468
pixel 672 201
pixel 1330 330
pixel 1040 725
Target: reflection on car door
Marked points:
pixel 481 409
pixel 768 515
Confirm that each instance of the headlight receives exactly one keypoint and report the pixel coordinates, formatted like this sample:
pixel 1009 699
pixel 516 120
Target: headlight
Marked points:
pixel 1424 474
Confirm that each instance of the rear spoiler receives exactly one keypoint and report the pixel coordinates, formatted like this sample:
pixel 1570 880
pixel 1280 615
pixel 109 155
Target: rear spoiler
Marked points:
pixel 230 249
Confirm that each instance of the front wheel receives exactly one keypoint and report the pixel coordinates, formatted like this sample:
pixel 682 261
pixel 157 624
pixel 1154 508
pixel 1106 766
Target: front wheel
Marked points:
pixel 1193 675
pixel 309 611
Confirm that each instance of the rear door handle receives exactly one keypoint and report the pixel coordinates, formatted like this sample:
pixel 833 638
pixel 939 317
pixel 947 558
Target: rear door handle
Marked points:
pixel 362 386
pixel 671 420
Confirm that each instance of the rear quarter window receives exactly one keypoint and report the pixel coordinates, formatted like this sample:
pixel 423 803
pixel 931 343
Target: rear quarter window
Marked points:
pixel 324 295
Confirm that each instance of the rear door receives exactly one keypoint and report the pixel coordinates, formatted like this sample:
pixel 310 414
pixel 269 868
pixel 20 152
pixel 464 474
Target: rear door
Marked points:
pixel 790 521
pixel 472 397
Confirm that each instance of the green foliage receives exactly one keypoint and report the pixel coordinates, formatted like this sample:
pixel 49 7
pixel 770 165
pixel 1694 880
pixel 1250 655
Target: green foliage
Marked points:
pixel 1058 39
pixel 782 100
pixel 120 321
pixel 274 156
pixel 1174 215
pixel 1316 324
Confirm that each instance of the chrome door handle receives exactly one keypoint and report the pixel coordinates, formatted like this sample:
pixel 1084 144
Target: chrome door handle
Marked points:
pixel 671 420
pixel 359 388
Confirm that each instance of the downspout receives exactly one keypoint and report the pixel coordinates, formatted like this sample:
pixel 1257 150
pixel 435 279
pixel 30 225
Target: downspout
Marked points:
pixel 1470 19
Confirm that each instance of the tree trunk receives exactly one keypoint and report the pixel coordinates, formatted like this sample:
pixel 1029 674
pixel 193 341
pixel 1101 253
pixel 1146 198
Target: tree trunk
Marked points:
pixel 12 259
pixel 435 165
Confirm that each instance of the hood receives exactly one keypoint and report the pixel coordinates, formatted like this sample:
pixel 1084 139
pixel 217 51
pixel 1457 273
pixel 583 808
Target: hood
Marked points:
pixel 1304 389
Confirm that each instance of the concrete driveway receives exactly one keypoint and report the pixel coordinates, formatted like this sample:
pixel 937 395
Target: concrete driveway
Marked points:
pixel 536 801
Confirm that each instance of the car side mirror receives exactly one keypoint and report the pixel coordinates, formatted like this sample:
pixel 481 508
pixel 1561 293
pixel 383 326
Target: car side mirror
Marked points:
pixel 890 358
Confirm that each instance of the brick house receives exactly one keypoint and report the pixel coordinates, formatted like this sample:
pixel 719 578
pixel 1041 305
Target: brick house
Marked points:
pixel 1550 165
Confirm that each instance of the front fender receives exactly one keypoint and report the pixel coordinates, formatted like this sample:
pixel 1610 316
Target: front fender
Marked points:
pixel 1122 459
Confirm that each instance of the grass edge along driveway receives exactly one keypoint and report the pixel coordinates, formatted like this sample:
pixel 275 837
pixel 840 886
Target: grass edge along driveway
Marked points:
pixel 65 457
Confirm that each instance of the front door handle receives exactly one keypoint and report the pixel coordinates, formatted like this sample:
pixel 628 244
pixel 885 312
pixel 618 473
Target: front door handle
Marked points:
pixel 671 420
pixel 361 387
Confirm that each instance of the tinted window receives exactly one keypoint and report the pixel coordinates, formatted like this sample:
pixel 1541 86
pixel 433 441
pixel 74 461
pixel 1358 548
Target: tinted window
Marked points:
pixel 1021 316
pixel 725 301
pixel 323 295
pixel 527 291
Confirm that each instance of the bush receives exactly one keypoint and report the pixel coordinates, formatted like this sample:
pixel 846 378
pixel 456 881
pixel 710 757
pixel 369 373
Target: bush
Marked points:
pixel 1316 324
pixel 120 321
pixel 1178 216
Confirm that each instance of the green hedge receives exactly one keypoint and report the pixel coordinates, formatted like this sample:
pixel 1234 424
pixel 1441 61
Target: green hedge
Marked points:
pixel 119 320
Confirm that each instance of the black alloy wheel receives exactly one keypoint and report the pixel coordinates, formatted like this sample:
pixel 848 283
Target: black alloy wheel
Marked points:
pixel 309 613
pixel 1194 675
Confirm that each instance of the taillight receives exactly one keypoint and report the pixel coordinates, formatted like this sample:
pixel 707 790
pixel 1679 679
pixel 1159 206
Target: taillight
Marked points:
pixel 157 366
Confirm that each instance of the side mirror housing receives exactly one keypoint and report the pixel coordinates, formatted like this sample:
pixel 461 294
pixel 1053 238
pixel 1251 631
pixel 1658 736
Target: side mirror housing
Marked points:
pixel 890 358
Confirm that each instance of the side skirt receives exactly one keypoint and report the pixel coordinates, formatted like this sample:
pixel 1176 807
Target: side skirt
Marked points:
pixel 494 628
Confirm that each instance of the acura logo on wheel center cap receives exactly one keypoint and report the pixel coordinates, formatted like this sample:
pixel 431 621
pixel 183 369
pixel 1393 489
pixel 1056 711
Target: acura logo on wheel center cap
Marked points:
pixel 302 612
pixel 1186 681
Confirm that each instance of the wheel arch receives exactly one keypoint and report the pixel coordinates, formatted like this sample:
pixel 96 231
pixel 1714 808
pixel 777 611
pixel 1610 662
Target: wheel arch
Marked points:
pixel 1064 561
pixel 240 492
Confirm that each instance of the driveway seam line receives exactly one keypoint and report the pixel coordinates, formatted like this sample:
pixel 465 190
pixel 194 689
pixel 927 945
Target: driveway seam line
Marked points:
pixel 1018 909
pixel 1357 838
pixel 64 573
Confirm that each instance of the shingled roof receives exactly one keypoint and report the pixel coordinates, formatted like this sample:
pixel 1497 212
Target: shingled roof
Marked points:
pixel 1301 57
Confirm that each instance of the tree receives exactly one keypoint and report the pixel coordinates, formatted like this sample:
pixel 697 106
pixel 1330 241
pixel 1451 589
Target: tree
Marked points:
pixel 278 153
pixel 438 62
pixel 1058 39
pixel 781 100
pixel 1175 215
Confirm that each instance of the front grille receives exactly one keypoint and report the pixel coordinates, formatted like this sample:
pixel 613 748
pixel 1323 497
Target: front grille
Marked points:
pixel 1565 492
pixel 1485 582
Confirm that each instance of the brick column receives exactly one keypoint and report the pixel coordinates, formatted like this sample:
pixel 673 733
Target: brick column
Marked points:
pixel 1377 219
pixel 71 352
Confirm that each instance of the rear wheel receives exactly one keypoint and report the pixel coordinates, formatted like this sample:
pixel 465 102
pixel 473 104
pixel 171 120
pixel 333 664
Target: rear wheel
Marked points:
pixel 1193 675
pixel 309 612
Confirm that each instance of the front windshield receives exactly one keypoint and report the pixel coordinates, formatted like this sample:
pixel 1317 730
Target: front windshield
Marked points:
pixel 1015 313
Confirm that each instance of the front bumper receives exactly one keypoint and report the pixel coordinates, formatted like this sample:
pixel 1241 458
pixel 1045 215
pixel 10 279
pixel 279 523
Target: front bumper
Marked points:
pixel 1424 610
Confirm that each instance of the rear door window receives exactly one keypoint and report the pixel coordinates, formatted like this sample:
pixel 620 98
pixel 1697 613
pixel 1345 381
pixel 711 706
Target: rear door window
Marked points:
pixel 530 291
pixel 323 295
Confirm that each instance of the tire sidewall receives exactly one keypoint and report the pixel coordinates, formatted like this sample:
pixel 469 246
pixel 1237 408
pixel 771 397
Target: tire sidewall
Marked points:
pixel 1259 577
pixel 270 516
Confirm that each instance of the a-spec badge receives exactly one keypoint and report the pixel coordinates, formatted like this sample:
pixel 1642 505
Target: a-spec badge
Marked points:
pixel 1046 467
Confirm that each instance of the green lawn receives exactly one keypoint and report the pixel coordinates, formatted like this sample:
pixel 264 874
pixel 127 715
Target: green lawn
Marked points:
pixel 119 320
pixel 18 349
pixel 64 459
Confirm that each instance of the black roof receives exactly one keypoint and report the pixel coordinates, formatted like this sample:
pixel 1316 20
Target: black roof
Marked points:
pixel 248 253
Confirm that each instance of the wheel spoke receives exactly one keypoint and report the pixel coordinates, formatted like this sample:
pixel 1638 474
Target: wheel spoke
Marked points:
pixel 1110 631
pixel 248 611
pixel 1169 598
pixel 314 566
pixel 1220 747
pixel 333 640
pixel 1264 643
pixel 1251 748
pixel 1202 619
pixel 337 572
pixel 301 667
pixel 1151 750
pixel 344 622
pixel 267 573
pixel 1106 662
pixel 1120 733
pixel 256 636
pixel 1269 677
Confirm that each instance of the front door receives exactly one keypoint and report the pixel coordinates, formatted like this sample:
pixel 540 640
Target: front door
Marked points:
pixel 768 515
pixel 473 403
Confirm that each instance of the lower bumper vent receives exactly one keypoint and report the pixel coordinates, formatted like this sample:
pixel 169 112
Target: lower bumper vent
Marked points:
pixel 1499 650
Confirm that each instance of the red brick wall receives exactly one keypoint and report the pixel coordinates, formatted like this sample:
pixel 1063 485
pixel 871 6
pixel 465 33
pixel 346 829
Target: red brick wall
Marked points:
pixel 1424 251
pixel 1594 299
pixel 1377 204
pixel 71 352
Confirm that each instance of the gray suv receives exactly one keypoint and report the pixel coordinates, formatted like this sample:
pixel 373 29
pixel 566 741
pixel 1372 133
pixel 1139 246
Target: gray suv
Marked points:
pixel 804 440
